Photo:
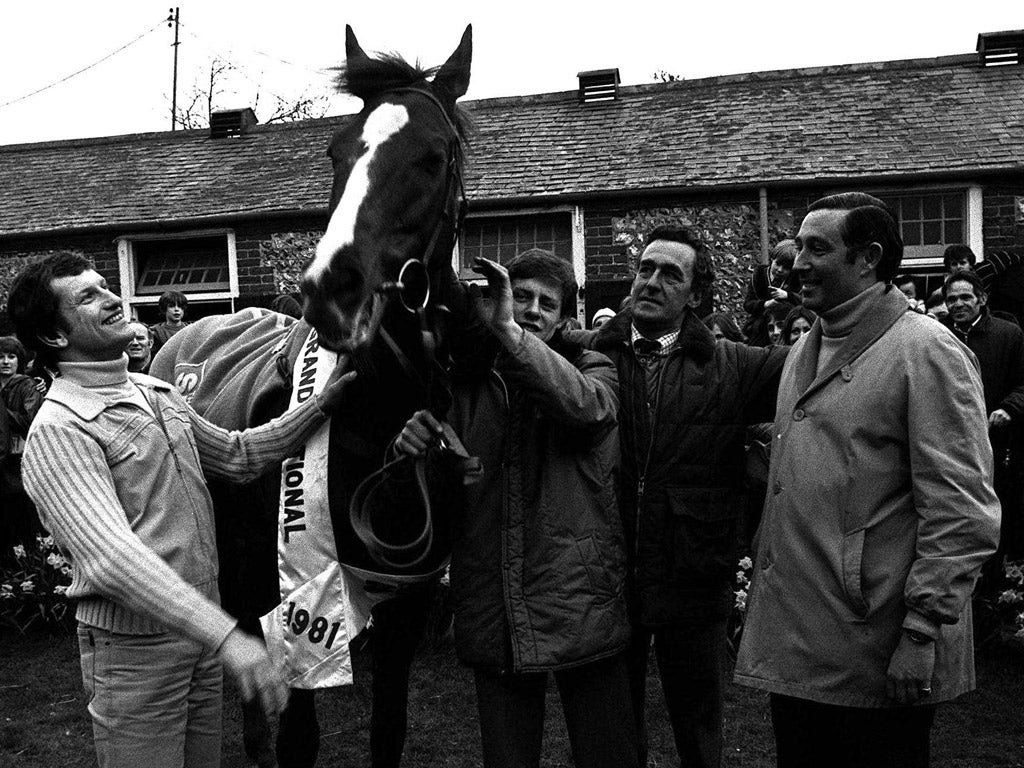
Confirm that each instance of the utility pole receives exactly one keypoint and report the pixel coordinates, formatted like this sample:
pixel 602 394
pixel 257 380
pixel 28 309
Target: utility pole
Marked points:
pixel 174 19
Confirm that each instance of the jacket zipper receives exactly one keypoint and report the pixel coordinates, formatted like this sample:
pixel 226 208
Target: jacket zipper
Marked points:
pixel 651 411
pixel 177 465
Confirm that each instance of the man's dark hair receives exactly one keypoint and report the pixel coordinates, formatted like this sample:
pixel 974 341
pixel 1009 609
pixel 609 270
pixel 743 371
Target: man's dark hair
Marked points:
pixel 965 276
pixel 868 220
pixel 538 264
pixel 33 306
pixel 957 252
pixel 703 266
pixel 783 252
pixel 9 345
pixel 172 299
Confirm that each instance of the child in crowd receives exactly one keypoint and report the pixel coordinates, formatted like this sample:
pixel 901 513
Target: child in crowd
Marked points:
pixel 768 286
pixel 173 305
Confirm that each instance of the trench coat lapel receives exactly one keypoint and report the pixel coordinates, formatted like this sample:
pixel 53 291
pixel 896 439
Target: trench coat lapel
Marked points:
pixel 880 317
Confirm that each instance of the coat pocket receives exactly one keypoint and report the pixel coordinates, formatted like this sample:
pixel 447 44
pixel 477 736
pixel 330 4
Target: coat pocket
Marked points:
pixel 704 524
pixel 605 574
pixel 853 551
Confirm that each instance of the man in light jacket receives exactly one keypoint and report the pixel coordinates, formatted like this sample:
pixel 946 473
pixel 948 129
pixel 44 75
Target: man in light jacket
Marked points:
pixel 880 510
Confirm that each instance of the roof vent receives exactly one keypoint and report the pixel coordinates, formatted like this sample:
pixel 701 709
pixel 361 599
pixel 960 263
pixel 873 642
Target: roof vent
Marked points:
pixel 231 122
pixel 598 85
pixel 1001 48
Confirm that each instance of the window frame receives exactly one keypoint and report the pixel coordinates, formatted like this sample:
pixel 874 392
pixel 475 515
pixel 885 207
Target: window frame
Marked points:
pixel 578 242
pixel 127 267
pixel 971 222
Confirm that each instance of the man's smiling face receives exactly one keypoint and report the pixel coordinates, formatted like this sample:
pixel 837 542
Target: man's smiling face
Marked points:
pixel 92 325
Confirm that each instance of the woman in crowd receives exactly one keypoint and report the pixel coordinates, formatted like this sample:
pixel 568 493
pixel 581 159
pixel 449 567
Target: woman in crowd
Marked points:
pixel 797 323
pixel 20 400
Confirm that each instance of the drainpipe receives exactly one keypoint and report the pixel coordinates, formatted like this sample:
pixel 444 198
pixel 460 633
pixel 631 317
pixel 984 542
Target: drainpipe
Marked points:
pixel 762 197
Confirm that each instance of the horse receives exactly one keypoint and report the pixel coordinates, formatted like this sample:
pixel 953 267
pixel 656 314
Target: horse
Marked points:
pixel 379 291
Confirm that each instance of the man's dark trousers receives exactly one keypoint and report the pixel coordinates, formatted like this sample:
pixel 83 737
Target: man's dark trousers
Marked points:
pixel 691 663
pixel 809 735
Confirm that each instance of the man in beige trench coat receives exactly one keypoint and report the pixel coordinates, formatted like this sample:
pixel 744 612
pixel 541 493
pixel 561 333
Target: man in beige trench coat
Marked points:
pixel 880 510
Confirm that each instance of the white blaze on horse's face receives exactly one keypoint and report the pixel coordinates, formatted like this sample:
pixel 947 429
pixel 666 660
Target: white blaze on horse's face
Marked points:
pixel 383 123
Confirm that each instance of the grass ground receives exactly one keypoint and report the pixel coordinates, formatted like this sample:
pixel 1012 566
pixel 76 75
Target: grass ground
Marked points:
pixel 43 722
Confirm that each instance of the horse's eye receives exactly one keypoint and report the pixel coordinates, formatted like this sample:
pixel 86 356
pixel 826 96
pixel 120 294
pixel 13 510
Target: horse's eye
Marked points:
pixel 430 161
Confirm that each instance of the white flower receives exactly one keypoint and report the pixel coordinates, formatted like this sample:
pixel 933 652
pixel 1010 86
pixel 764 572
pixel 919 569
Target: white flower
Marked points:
pixel 6 590
pixel 66 570
pixel 1010 596
pixel 746 563
pixel 27 586
pixel 741 599
pixel 54 560
pixel 60 589
pixel 19 552
pixel 45 542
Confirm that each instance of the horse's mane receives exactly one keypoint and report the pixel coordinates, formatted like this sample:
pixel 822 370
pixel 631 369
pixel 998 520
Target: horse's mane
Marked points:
pixel 371 77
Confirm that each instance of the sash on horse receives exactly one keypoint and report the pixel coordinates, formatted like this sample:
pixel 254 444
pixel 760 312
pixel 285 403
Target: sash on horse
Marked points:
pixel 243 369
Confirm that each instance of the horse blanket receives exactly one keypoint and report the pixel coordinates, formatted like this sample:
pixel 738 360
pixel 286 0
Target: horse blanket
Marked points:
pixel 242 370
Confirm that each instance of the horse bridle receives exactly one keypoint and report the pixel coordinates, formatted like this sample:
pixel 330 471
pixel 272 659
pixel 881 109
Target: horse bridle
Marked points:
pixel 417 268
pixel 414 272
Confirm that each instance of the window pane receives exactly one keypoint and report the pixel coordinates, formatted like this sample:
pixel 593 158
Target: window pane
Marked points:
pixel 953 206
pixel 954 232
pixel 910 208
pixel 932 232
pixel 192 264
pixel 911 234
pixel 932 207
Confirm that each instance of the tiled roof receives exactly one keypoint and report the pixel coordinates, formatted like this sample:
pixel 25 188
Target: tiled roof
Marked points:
pixel 868 121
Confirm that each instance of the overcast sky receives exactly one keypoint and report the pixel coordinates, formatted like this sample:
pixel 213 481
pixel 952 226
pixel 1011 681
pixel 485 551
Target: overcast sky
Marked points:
pixel 281 48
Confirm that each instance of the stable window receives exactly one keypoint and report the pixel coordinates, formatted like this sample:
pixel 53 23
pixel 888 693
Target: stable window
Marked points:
pixel 190 266
pixel 200 265
pixel 929 222
pixel 500 238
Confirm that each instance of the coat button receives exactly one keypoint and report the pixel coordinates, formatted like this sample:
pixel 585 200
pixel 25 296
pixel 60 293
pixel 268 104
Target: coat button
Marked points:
pixel 846 373
pixel 798 414
pixel 777 488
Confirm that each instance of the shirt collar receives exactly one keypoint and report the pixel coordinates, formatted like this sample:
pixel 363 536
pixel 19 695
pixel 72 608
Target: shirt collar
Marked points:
pixel 668 341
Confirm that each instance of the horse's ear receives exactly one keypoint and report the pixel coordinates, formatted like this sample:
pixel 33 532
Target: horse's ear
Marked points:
pixel 354 54
pixel 452 80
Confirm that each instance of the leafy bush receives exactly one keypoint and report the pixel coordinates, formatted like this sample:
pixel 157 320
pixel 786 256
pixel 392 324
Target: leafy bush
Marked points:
pixel 1011 600
pixel 33 591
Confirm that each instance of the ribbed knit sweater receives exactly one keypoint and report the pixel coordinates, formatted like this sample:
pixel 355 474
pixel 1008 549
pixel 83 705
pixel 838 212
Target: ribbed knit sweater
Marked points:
pixel 115 463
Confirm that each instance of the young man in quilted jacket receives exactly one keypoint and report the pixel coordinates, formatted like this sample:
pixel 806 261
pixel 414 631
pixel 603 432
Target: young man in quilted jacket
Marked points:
pixel 538 561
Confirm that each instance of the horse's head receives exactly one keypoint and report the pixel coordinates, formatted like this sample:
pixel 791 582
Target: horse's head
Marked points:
pixel 397 190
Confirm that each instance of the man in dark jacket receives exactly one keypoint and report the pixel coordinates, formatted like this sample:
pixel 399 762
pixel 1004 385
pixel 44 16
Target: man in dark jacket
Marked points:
pixel 538 561
pixel 684 404
pixel 999 346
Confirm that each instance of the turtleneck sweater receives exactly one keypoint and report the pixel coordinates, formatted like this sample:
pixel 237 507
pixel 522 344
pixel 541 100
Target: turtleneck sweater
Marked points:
pixel 839 322
pixel 107 379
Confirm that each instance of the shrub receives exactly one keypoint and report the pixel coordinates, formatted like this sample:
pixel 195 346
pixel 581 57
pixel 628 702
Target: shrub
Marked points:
pixel 33 589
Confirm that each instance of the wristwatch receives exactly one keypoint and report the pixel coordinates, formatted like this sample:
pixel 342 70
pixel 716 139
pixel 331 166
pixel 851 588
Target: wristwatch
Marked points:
pixel 917 638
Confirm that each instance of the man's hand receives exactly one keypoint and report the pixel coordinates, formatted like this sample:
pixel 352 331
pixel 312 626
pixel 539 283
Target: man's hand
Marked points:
pixel 909 677
pixel 998 418
pixel 331 395
pixel 779 294
pixel 421 431
pixel 247 661
pixel 496 309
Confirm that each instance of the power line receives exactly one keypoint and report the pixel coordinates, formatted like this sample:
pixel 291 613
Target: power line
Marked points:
pixel 314 70
pixel 83 69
